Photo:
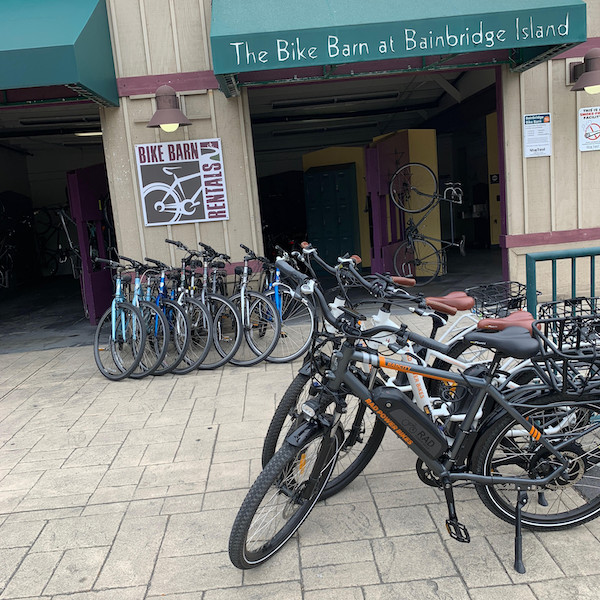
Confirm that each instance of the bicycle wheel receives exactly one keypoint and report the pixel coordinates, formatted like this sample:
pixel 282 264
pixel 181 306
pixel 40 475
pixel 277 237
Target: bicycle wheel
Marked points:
pixel 281 498
pixel 413 187
pixel 508 449
pixel 363 433
pixel 418 259
pixel 298 323
pixel 262 328
pixel 200 336
pixel 117 355
pixel 157 339
pixel 227 331
pixel 179 335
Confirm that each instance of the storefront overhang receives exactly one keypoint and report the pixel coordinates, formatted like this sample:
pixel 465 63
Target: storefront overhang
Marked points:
pixel 57 43
pixel 297 37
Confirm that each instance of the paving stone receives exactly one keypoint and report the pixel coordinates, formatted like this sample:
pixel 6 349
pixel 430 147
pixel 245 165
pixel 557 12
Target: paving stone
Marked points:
pixel 92 456
pixel 133 553
pixel 9 561
pixel 515 592
pixel 19 481
pixel 291 590
pixel 328 576
pixel 154 435
pixel 156 454
pixel 64 482
pixel 447 588
pixel 78 532
pixel 29 503
pixel 406 520
pixel 15 534
pixel 478 563
pixel 335 554
pixel 121 476
pixel 76 571
pixel 32 576
pixel 135 593
pixel 197 533
pixel 178 574
pixel 175 473
pixel 182 504
pixel 403 558
pixel 347 593
pixel 327 524
pixel 224 476
pixel 579 588
pixel 569 546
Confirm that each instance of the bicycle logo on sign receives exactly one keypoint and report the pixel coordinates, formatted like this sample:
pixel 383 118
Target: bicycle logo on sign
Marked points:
pixel 171 201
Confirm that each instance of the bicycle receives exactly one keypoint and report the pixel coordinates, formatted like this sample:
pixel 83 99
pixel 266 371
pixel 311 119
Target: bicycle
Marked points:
pixel 541 438
pixel 217 315
pixel 414 189
pixel 178 320
pixel 120 336
pixel 260 318
pixel 298 315
pixel 56 246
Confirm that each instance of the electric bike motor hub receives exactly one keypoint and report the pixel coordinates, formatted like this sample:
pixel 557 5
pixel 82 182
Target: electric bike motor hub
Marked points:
pixel 543 463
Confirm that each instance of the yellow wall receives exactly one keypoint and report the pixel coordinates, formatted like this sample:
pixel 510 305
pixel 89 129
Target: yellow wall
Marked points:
pixel 491 122
pixel 339 156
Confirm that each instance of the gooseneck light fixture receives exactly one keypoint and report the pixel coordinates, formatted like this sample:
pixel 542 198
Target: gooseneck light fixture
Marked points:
pixel 587 73
pixel 168 116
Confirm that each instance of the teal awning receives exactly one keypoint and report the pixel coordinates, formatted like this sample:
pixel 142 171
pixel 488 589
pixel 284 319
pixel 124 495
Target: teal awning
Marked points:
pixel 274 34
pixel 57 42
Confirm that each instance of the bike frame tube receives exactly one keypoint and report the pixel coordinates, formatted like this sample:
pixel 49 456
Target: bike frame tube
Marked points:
pixel 342 375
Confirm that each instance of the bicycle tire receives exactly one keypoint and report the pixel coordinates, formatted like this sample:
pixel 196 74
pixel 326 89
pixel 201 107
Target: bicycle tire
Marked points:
pixel 576 493
pixel 286 475
pixel 227 331
pixel 117 357
pixel 410 185
pixel 262 329
pixel 298 323
pixel 351 460
pixel 200 336
pixel 422 253
pixel 179 335
pixel 157 338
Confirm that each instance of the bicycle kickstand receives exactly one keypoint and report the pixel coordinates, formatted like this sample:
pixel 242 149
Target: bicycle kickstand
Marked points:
pixel 522 500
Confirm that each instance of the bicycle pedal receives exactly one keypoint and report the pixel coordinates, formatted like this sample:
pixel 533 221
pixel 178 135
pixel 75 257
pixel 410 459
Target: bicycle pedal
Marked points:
pixel 458 531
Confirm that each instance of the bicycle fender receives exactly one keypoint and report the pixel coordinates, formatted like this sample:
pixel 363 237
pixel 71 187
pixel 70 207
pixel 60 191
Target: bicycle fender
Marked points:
pixel 306 369
pixel 302 435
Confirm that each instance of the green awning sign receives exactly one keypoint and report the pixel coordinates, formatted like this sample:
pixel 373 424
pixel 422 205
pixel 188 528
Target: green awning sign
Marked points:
pixel 255 36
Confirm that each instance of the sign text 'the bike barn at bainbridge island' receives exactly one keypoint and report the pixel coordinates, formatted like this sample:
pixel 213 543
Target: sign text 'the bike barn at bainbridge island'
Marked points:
pixel 182 182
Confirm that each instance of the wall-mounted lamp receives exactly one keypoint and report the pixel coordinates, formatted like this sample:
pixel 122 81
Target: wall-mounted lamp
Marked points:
pixel 167 116
pixel 586 75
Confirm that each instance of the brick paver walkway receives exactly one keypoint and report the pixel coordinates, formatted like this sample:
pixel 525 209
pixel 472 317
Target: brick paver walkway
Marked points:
pixel 127 491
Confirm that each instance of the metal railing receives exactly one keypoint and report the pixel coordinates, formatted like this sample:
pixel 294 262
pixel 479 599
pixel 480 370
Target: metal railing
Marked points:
pixel 532 259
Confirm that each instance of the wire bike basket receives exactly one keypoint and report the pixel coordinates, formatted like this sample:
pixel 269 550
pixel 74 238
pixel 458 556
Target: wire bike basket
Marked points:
pixel 498 299
pixel 573 307
pixel 570 351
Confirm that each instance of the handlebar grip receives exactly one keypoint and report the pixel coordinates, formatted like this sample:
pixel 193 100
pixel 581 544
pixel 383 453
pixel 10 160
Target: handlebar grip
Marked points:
pixel 289 271
pixel 356 258
pixel 244 247
pixel 305 244
pixel 427 342
pixel 404 281
pixel 441 307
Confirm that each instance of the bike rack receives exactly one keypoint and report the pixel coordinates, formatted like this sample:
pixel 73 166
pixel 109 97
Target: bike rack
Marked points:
pixel 532 259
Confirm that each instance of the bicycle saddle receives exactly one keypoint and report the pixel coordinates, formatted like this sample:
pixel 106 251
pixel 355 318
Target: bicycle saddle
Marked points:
pixel 512 341
pixel 519 318
pixel 458 300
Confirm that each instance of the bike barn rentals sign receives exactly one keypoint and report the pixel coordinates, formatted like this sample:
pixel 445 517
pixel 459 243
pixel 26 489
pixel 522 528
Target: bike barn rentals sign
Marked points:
pixel 182 182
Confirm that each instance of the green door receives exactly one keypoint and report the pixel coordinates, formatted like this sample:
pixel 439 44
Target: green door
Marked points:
pixel 332 210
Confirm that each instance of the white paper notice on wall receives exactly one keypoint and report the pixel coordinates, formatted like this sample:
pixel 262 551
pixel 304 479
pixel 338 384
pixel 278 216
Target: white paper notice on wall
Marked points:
pixel 589 128
pixel 537 135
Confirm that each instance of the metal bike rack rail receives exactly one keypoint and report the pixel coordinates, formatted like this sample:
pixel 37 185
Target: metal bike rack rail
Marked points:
pixel 532 259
